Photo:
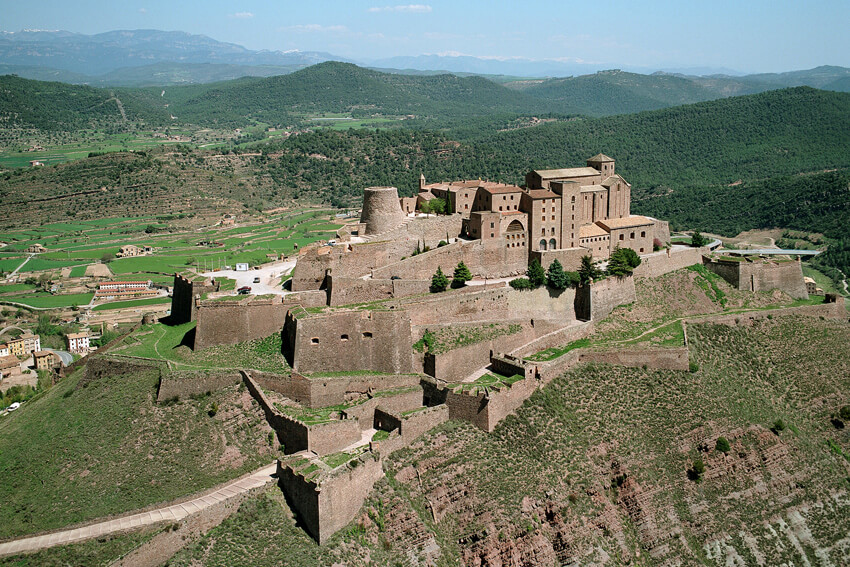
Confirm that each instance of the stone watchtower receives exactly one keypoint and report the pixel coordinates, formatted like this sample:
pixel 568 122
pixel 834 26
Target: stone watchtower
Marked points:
pixel 422 182
pixel 602 163
pixel 381 209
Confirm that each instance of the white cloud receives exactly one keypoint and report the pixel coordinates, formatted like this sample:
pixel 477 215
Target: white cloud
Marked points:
pixel 143 10
pixel 318 28
pixel 410 8
pixel 241 15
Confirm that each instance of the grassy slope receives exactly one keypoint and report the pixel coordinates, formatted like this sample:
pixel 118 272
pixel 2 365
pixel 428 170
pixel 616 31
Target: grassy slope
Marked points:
pixel 74 455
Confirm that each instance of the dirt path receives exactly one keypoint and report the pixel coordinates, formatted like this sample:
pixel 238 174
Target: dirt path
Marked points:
pixel 167 513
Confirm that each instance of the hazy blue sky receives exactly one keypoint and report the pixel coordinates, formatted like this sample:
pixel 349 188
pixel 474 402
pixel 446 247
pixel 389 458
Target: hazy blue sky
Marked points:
pixel 747 35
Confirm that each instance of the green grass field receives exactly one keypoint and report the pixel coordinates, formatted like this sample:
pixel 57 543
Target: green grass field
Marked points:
pixel 132 303
pixel 47 301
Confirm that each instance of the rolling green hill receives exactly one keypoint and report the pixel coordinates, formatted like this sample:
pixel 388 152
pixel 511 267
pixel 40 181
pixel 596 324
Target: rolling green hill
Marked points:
pixel 618 92
pixel 52 106
pixel 342 88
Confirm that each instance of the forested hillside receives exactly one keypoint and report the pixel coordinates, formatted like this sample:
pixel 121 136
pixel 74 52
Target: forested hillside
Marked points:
pixel 52 106
pixel 618 92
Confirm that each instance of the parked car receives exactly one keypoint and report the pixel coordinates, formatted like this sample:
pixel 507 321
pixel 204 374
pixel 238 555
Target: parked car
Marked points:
pixel 257 279
pixel 245 290
pixel 14 406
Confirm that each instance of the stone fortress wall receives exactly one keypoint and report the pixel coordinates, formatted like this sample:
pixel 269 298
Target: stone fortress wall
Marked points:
pixel 750 274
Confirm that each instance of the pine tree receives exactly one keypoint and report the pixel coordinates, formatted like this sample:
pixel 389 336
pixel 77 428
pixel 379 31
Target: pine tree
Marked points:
pixel 461 275
pixel 557 278
pixel 439 282
pixel 536 273
pixel 588 271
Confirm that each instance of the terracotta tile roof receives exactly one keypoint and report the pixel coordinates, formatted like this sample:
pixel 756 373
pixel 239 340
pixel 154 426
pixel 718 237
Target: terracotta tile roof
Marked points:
pixel 591 230
pixel 500 189
pixel 542 194
pixel 601 157
pixel 589 188
pixel 506 213
pixel 627 222
pixel 567 172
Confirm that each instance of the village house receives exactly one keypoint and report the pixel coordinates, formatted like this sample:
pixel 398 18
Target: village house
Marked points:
pixel 78 343
pixel 812 286
pixel 130 250
pixel 45 360
pixel 36 249
pixel 25 344
pixel 9 365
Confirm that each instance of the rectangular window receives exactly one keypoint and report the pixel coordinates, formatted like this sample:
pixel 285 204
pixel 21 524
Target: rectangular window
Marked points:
pixel 492 225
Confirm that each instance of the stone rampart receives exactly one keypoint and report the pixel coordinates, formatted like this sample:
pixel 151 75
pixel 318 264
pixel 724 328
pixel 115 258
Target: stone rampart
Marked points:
pixel 570 258
pixel 185 295
pixel 185 384
pixel 231 322
pixel 344 341
pixel 397 403
pixel 509 365
pixel 356 260
pixel 348 291
pixel 459 363
pixel 326 508
pixel 484 410
pixel 831 310
pixel 598 300
pixel 488 258
pixel 310 298
pixel 471 304
pixel 405 428
pixel 761 275
pixel 660 263
pixel 295 436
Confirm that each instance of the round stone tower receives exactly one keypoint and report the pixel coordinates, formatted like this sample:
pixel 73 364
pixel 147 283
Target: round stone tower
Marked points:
pixel 381 209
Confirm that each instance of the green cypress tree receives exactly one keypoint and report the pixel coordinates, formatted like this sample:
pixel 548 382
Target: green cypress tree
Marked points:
pixel 461 275
pixel 536 273
pixel 439 282
pixel 557 278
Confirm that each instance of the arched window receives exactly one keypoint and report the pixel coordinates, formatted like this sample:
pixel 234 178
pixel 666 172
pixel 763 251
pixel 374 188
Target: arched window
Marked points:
pixel 552 244
pixel 543 244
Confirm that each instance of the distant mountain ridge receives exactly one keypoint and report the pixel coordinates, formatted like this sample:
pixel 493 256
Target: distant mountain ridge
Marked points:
pixel 101 53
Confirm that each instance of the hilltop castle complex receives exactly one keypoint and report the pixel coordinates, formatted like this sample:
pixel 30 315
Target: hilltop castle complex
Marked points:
pixel 362 332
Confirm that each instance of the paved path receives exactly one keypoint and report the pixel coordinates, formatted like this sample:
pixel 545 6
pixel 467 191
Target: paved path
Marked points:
pixel 170 513
pixel 269 275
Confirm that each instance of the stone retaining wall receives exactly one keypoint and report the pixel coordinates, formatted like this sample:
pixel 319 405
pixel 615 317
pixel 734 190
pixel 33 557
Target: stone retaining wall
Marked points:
pixel 658 264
